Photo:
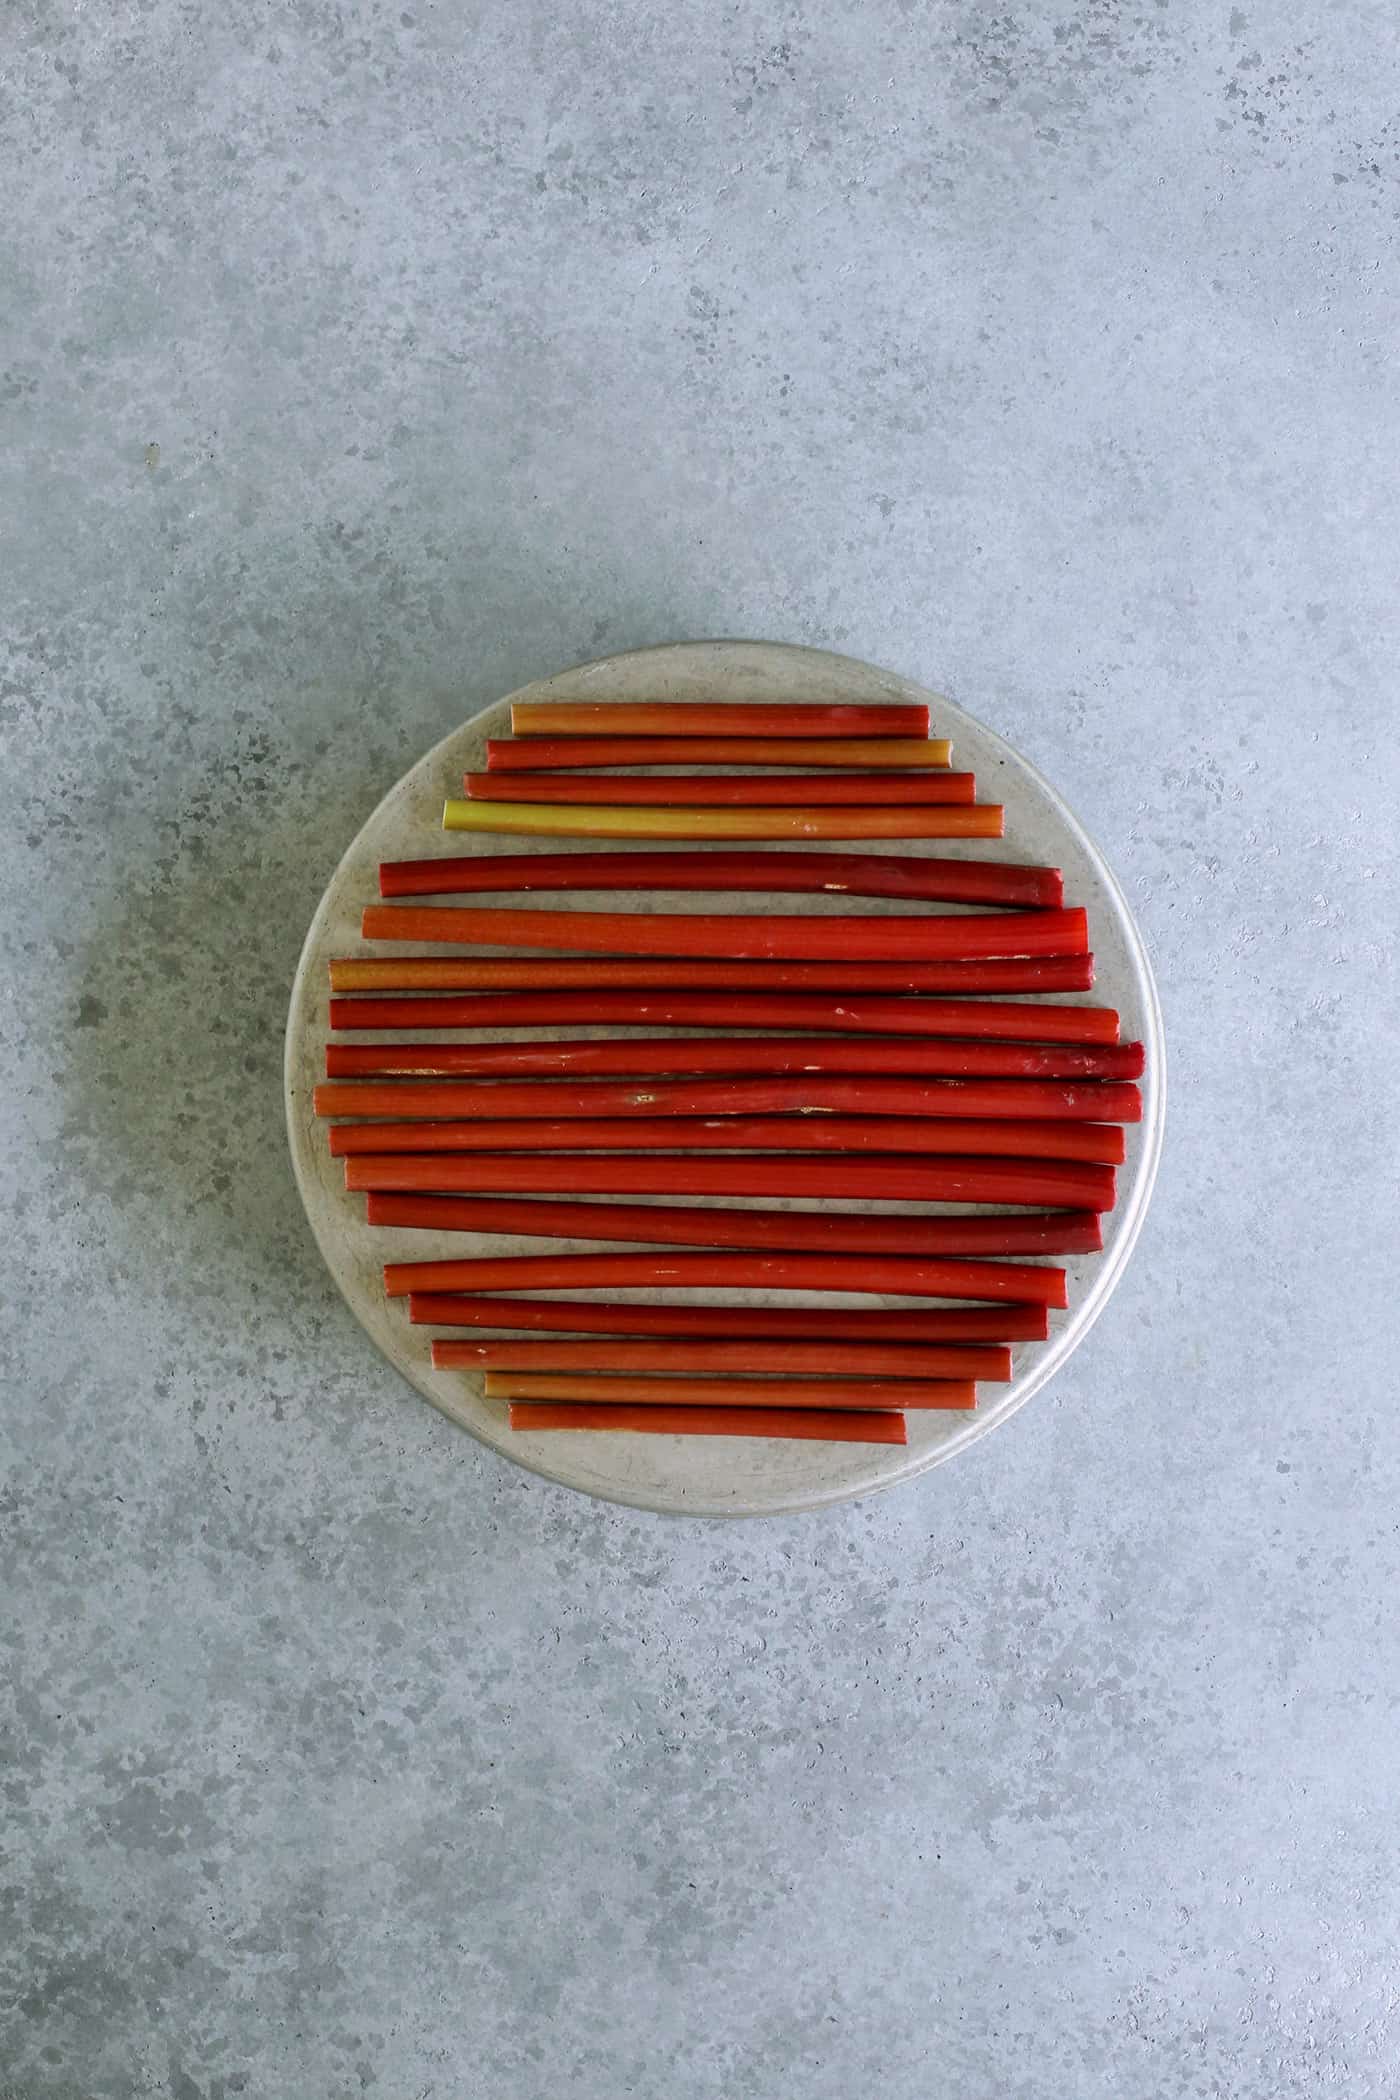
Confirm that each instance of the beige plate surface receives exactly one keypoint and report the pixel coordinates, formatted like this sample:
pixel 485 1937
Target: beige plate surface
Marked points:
pixel 720 1475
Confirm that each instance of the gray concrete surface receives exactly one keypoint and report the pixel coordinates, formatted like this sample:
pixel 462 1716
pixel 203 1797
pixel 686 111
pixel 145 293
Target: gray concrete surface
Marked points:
pixel 358 362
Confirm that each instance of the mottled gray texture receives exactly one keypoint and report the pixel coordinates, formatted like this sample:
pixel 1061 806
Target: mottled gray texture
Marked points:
pixel 359 363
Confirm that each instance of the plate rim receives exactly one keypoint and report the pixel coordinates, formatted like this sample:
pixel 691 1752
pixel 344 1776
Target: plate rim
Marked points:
pixel 1129 1220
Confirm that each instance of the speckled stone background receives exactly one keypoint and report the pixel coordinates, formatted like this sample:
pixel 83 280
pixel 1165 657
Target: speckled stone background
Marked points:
pixel 358 363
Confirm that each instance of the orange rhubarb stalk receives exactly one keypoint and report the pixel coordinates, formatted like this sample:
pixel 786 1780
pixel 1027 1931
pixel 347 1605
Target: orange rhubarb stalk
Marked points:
pixel 750 1359
pixel 824 1425
pixel 844 1393
pixel 927 936
pixel 687 718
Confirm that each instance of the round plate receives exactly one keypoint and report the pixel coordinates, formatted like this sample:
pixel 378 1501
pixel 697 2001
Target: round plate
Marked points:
pixel 710 1476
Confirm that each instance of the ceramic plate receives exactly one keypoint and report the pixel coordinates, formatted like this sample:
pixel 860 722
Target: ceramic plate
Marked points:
pixel 711 1475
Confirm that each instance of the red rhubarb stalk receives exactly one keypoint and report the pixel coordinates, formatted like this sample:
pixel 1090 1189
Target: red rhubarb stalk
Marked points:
pixel 949 1058
pixel 988 1020
pixel 822 1425
pixel 790 1231
pixel 811 1082
pixel 556 973
pixel 1070 1182
pixel 896 1276
pixel 943 936
pixel 686 718
pixel 1100 1142
pixel 961 1323
pixel 723 791
pixel 504 755
pixel 917 880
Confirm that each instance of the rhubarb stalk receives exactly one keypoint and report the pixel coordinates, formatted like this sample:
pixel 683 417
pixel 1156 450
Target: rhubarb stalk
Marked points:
pixel 814 1080
pixel 855 1394
pixel 1074 1183
pixel 505 755
pixel 823 1425
pixel 983 820
pixel 722 791
pixel 749 1359
pixel 708 1225
pixel 961 1323
pixel 915 879
pixel 936 936
pixel 1099 1142
pixel 895 1276
pixel 988 1020
pixel 687 718
pixel 1045 973
pixel 949 1058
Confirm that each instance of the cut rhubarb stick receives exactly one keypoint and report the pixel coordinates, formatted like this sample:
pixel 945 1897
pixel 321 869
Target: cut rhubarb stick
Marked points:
pixel 1076 1184
pixel 1012 1283
pixel 820 1425
pixel 1099 1142
pixel 983 820
pixel 723 791
pixel 791 1231
pixel 921 880
pixel 950 1058
pixel 687 718
pixel 855 1395
pixel 943 1323
pixel 556 973
pixel 929 936
pixel 811 1082
pixel 986 1020
pixel 504 755
pixel 747 1358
